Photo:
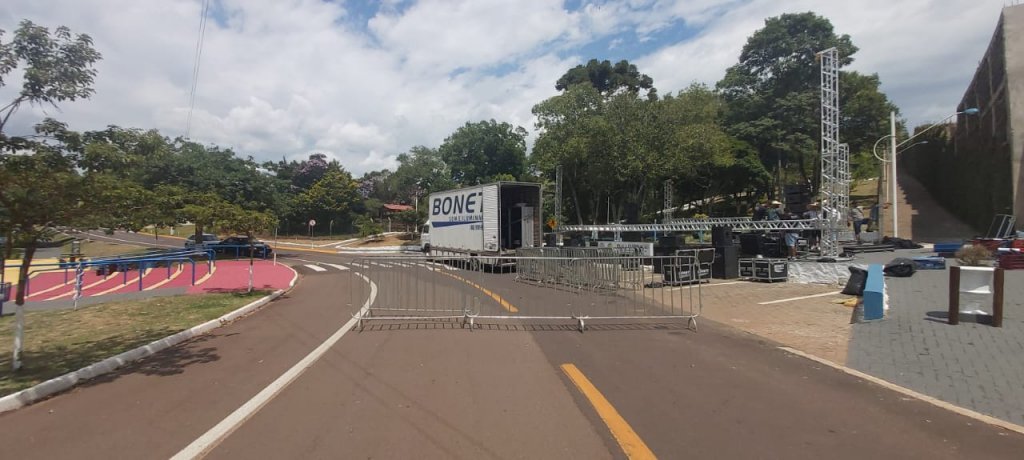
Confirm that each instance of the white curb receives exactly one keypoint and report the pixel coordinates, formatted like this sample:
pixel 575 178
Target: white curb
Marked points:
pixel 1010 426
pixel 380 249
pixel 66 381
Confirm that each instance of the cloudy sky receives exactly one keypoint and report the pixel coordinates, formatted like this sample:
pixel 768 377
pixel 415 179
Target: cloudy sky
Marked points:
pixel 366 80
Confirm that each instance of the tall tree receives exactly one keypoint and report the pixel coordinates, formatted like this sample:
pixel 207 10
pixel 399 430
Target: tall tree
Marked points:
pixel 55 68
pixel 420 172
pixel 773 92
pixel 333 197
pixel 607 78
pixel 238 220
pixel 477 152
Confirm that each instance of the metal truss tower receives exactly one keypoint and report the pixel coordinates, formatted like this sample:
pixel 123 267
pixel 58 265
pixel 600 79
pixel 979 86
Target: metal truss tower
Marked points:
pixel 835 171
pixel 666 213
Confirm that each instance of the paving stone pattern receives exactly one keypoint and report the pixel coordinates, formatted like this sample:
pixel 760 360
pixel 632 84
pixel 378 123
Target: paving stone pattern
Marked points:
pixel 972 365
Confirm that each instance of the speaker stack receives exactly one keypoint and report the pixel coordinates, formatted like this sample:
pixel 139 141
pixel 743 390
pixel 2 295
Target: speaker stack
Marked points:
pixel 726 263
pixel 797 198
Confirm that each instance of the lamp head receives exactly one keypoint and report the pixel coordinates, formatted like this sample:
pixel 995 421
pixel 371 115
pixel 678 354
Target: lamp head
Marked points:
pixel 971 111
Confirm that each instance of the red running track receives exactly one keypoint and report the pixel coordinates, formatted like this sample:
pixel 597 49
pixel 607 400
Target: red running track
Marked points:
pixel 233 275
pixel 229 275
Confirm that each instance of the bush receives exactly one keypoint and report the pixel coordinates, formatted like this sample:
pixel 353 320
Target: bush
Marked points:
pixel 368 227
pixel 973 256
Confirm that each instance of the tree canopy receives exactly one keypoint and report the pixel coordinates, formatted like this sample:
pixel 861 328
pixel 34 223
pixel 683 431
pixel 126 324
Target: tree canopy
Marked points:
pixel 773 96
pixel 478 152
pixel 607 78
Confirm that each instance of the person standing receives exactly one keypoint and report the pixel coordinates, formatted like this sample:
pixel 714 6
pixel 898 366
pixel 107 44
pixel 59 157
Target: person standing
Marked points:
pixel 775 211
pixel 813 236
pixel 857 219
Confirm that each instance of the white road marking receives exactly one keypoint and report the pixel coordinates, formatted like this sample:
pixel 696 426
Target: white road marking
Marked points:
pixel 316 268
pixel 336 266
pixel 708 285
pixel 209 440
pixel 826 294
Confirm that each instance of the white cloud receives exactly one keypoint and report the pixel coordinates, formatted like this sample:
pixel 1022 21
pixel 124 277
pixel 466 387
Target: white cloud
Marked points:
pixel 283 78
pixel 924 51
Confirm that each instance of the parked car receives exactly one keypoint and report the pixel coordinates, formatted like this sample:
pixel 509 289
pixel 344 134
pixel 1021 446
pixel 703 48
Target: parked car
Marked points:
pixel 208 240
pixel 240 245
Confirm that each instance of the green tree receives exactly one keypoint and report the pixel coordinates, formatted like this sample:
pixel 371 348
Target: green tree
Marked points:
pixel 477 152
pixel 607 78
pixel 571 133
pixel 55 67
pixel 774 91
pixel 333 197
pixel 411 219
pixel 235 219
pixel 421 172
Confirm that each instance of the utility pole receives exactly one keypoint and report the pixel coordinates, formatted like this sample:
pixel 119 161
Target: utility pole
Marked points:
pixel 892 159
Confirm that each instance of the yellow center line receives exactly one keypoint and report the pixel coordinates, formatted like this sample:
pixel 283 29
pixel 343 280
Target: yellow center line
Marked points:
pixel 630 442
pixel 497 298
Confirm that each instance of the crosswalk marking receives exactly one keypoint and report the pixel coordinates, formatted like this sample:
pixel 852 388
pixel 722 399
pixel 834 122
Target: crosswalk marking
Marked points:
pixel 339 267
pixel 316 268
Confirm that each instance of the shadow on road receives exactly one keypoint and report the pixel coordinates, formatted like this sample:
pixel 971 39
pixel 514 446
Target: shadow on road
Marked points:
pixel 942 317
pixel 595 326
pixel 171 361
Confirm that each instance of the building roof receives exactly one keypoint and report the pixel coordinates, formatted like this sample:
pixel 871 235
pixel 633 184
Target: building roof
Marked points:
pixel 397 207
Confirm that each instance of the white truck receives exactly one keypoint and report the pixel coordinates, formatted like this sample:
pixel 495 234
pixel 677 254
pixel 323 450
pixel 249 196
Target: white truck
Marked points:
pixel 483 220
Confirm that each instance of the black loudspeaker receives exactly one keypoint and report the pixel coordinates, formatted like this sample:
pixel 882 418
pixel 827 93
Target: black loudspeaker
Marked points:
pixel 685 274
pixel 751 243
pixel 721 236
pixel 726 265
pixel 670 241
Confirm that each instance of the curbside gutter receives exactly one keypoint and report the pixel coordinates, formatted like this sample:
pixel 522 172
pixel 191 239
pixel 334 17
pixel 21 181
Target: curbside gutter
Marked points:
pixel 64 382
pixel 988 419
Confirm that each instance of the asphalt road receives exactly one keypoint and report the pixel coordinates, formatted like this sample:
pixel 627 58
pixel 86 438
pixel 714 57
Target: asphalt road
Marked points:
pixel 435 390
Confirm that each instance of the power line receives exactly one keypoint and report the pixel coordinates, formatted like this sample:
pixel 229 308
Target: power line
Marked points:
pixel 204 12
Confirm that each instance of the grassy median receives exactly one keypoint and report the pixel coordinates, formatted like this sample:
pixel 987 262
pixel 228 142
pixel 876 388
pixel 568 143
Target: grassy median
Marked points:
pixel 57 342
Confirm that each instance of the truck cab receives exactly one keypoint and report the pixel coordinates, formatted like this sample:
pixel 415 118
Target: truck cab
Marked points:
pixel 425 238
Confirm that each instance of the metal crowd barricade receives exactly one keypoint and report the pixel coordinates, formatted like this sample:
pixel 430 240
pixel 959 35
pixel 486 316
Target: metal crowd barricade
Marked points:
pixel 545 287
pixel 415 288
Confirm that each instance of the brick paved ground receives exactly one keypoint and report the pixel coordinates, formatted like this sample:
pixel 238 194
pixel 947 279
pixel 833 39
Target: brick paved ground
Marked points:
pixel 971 365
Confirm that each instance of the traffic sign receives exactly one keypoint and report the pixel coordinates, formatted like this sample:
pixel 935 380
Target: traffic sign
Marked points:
pixel 312 222
pixel 552 223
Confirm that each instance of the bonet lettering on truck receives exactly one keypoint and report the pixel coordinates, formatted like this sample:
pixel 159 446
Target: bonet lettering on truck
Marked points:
pixel 484 219
pixel 459 209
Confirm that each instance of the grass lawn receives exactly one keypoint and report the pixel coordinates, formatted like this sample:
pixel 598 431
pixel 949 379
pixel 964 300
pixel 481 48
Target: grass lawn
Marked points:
pixel 57 342
pixel 864 192
pixel 182 231
pixel 105 249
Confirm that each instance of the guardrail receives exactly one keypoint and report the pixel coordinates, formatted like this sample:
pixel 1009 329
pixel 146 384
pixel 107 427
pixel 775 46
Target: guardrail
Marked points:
pixel 110 265
pixel 703 225
pixel 551 287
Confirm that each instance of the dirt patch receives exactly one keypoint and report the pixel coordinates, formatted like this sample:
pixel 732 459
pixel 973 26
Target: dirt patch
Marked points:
pixel 816 325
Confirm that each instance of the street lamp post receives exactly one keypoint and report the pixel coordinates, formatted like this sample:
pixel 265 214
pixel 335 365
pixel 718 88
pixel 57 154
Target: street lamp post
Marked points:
pixel 893 146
